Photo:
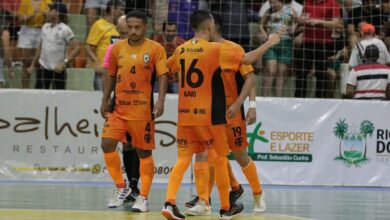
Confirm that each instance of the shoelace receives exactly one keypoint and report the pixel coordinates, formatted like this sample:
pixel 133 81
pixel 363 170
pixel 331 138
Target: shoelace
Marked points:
pixel 121 193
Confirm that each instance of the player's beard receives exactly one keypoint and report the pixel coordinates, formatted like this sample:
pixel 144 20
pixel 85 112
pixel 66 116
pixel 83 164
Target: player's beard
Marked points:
pixel 170 38
pixel 135 38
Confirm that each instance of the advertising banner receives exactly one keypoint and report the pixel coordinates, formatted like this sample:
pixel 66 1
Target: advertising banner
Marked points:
pixel 320 142
pixel 56 135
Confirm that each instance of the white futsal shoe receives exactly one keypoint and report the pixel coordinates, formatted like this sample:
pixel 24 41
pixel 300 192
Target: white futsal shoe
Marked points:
pixel 118 197
pixel 200 209
pixel 141 204
pixel 259 204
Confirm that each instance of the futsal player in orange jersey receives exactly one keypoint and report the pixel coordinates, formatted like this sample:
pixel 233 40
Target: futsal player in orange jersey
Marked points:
pixel 134 64
pixel 233 77
pixel 201 108
pixel 236 127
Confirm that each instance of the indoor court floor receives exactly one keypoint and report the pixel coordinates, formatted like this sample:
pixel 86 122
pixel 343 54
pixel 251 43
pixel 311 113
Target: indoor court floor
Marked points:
pixel 79 201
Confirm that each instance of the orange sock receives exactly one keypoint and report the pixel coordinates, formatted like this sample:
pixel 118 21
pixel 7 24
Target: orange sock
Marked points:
pixel 113 163
pixel 212 178
pixel 234 184
pixel 202 176
pixel 250 172
pixel 175 178
pixel 222 180
pixel 146 170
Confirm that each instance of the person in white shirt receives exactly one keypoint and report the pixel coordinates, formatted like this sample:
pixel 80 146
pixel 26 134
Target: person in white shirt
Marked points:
pixel 56 36
pixel 370 80
pixel 367 32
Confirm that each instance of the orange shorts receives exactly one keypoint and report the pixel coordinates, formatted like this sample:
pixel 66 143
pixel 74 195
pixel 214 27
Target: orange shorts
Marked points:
pixel 237 137
pixel 140 132
pixel 193 139
pixel 221 144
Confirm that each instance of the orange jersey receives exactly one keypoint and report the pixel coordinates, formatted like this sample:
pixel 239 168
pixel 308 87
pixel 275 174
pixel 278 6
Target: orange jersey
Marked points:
pixel 201 95
pixel 232 75
pixel 135 68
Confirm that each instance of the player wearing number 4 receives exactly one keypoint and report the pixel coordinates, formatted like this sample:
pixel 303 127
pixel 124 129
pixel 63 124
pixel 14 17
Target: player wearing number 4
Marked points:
pixel 234 74
pixel 133 66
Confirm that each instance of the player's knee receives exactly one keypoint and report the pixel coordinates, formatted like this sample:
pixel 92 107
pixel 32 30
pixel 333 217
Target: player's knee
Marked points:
pixel 143 153
pixel 242 158
pixel 108 145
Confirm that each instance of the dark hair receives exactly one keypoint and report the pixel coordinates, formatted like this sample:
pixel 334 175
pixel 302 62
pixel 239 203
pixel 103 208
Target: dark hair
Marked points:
pixel 218 21
pixel 371 53
pixel 115 4
pixel 197 19
pixel 137 14
pixel 164 25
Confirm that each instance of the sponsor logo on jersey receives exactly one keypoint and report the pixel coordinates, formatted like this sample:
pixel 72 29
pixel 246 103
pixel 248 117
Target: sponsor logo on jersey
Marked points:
pixel 146 57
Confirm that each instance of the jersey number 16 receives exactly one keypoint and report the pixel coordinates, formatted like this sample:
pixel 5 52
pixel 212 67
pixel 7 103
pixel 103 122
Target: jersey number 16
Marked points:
pixel 187 77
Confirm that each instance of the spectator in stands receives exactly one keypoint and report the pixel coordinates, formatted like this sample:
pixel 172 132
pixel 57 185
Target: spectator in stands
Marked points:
pixel 169 40
pixel 93 9
pixel 31 17
pixel 370 80
pixel 295 6
pixel 277 19
pixel 319 18
pixel 5 51
pixel 52 52
pixel 334 65
pixel 367 32
pixel 103 33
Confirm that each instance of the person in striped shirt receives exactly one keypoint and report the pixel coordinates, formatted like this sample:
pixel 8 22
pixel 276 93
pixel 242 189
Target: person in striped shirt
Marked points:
pixel 370 80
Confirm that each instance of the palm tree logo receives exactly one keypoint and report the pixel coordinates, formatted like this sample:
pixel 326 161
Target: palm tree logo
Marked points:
pixel 366 129
pixel 340 130
pixel 352 140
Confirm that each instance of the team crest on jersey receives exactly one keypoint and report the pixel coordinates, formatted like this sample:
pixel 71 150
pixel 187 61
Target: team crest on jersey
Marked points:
pixel 133 56
pixel 133 85
pixel 146 57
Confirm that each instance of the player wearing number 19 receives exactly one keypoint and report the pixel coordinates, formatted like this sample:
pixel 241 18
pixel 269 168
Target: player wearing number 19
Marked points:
pixel 133 66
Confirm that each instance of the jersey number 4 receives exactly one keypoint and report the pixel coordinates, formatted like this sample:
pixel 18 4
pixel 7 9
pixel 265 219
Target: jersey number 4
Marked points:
pixel 186 77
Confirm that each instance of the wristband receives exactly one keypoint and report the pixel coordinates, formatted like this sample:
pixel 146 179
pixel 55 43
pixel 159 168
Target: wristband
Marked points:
pixel 252 104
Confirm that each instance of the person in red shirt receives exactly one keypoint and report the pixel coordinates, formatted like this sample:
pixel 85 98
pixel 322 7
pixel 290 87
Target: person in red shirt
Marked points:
pixel 319 18
pixel 170 41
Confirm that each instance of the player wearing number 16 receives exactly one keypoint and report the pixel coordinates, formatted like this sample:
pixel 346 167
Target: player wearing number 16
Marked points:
pixel 133 67
pixel 202 105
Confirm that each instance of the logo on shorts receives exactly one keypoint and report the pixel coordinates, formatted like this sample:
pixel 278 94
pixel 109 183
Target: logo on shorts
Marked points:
pixel 146 57
pixel 133 85
pixel 238 141
pixel 148 138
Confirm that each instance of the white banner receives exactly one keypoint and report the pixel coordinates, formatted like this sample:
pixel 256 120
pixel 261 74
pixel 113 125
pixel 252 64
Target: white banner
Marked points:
pixel 321 142
pixel 55 135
